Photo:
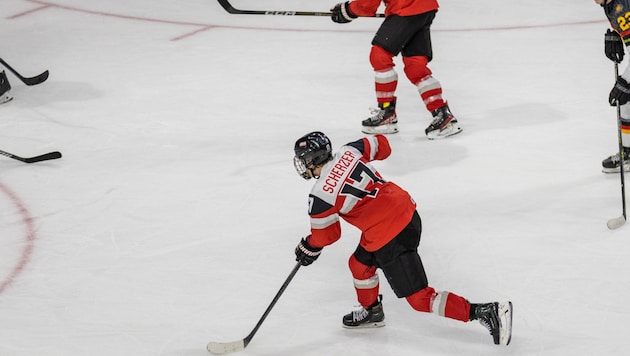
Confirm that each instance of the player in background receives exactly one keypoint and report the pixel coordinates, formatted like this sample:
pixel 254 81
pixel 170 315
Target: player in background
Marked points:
pixel 407 30
pixel 618 13
pixel 5 88
pixel 347 186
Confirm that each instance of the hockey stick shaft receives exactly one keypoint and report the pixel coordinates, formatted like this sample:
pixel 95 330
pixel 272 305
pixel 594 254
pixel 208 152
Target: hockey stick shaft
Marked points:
pixel 38 79
pixel 617 222
pixel 232 10
pixel 44 157
pixel 227 347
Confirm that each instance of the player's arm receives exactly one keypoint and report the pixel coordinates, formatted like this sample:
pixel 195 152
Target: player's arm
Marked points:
pixel 325 226
pixel 366 8
pixel 325 230
pixel 373 148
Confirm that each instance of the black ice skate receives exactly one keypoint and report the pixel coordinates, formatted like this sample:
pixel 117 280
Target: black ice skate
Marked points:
pixel 383 119
pixel 497 318
pixel 372 317
pixel 444 124
pixel 5 88
pixel 612 163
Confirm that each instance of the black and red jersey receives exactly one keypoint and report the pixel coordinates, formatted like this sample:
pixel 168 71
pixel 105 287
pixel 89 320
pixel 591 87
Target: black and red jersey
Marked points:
pixel 618 13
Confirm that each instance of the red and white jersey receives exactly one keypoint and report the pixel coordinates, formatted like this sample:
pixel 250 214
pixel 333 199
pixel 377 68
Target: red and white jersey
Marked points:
pixel 393 7
pixel 350 187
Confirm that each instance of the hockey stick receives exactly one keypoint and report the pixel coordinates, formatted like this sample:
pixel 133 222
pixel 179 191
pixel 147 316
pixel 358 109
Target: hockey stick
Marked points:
pixel 44 157
pixel 229 8
pixel 38 79
pixel 220 348
pixel 620 220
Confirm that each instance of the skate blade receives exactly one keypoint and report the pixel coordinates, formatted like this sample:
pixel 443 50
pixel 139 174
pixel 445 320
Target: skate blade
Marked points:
pixel 505 314
pixel 626 168
pixel 381 129
pixel 377 324
pixel 449 130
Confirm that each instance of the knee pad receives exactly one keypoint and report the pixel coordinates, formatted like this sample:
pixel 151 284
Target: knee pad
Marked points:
pixel 422 300
pixel 416 68
pixel 359 270
pixel 365 279
pixel 380 59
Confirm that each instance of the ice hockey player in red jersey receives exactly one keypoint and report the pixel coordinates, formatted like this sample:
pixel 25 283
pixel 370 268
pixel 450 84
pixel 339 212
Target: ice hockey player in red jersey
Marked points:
pixel 347 186
pixel 614 47
pixel 5 88
pixel 407 30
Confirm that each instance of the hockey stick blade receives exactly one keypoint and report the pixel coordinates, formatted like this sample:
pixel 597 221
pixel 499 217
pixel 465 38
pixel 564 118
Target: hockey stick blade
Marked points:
pixel 44 157
pixel 38 79
pixel 232 10
pixel 221 348
pixel 616 223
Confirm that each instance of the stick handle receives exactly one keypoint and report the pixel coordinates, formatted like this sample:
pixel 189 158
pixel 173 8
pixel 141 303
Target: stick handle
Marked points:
pixel 621 151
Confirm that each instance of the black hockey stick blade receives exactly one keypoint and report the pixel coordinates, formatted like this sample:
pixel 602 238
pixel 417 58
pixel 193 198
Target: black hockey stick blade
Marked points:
pixel 44 157
pixel 38 79
pixel 616 223
pixel 232 10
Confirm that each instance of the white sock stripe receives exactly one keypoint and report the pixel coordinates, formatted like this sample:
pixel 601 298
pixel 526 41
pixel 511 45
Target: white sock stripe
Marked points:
pixel 385 77
pixel 369 283
pixel 385 94
pixel 438 306
pixel 428 83
pixel 432 99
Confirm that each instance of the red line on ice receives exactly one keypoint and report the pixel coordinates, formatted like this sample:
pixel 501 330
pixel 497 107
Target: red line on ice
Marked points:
pixel 201 27
pixel 27 220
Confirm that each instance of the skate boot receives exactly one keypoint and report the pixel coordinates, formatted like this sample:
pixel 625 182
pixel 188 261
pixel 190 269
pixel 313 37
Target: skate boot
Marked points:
pixel 444 124
pixel 5 88
pixel 497 318
pixel 383 119
pixel 612 163
pixel 372 317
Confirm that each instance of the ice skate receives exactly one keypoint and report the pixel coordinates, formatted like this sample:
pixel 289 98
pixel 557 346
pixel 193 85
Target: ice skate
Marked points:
pixel 444 124
pixel 383 119
pixel 372 317
pixel 497 318
pixel 612 163
pixel 5 88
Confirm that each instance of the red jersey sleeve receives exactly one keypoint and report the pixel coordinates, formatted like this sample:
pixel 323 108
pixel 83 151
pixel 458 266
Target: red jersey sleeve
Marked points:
pixel 368 8
pixel 373 148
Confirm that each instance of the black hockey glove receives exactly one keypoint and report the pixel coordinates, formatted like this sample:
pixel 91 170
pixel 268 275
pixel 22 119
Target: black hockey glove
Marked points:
pixel 341 13
pixel 620 93
pixel 613 46
pixel 305 253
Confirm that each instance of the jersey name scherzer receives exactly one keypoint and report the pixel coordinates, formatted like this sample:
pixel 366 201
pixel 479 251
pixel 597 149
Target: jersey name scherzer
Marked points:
pixel 350 187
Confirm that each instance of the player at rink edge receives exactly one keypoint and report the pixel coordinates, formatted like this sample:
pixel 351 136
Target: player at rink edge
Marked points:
pixel 615 42
pixel 347 186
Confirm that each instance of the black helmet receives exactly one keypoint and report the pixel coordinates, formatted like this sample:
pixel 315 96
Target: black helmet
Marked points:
pixel 311 150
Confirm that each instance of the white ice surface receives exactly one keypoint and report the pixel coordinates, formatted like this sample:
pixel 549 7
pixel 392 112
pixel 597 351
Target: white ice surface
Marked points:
pixel 172 217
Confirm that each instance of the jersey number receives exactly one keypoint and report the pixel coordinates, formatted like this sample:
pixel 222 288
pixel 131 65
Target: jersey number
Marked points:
pixel 623 21
pixel 361 172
